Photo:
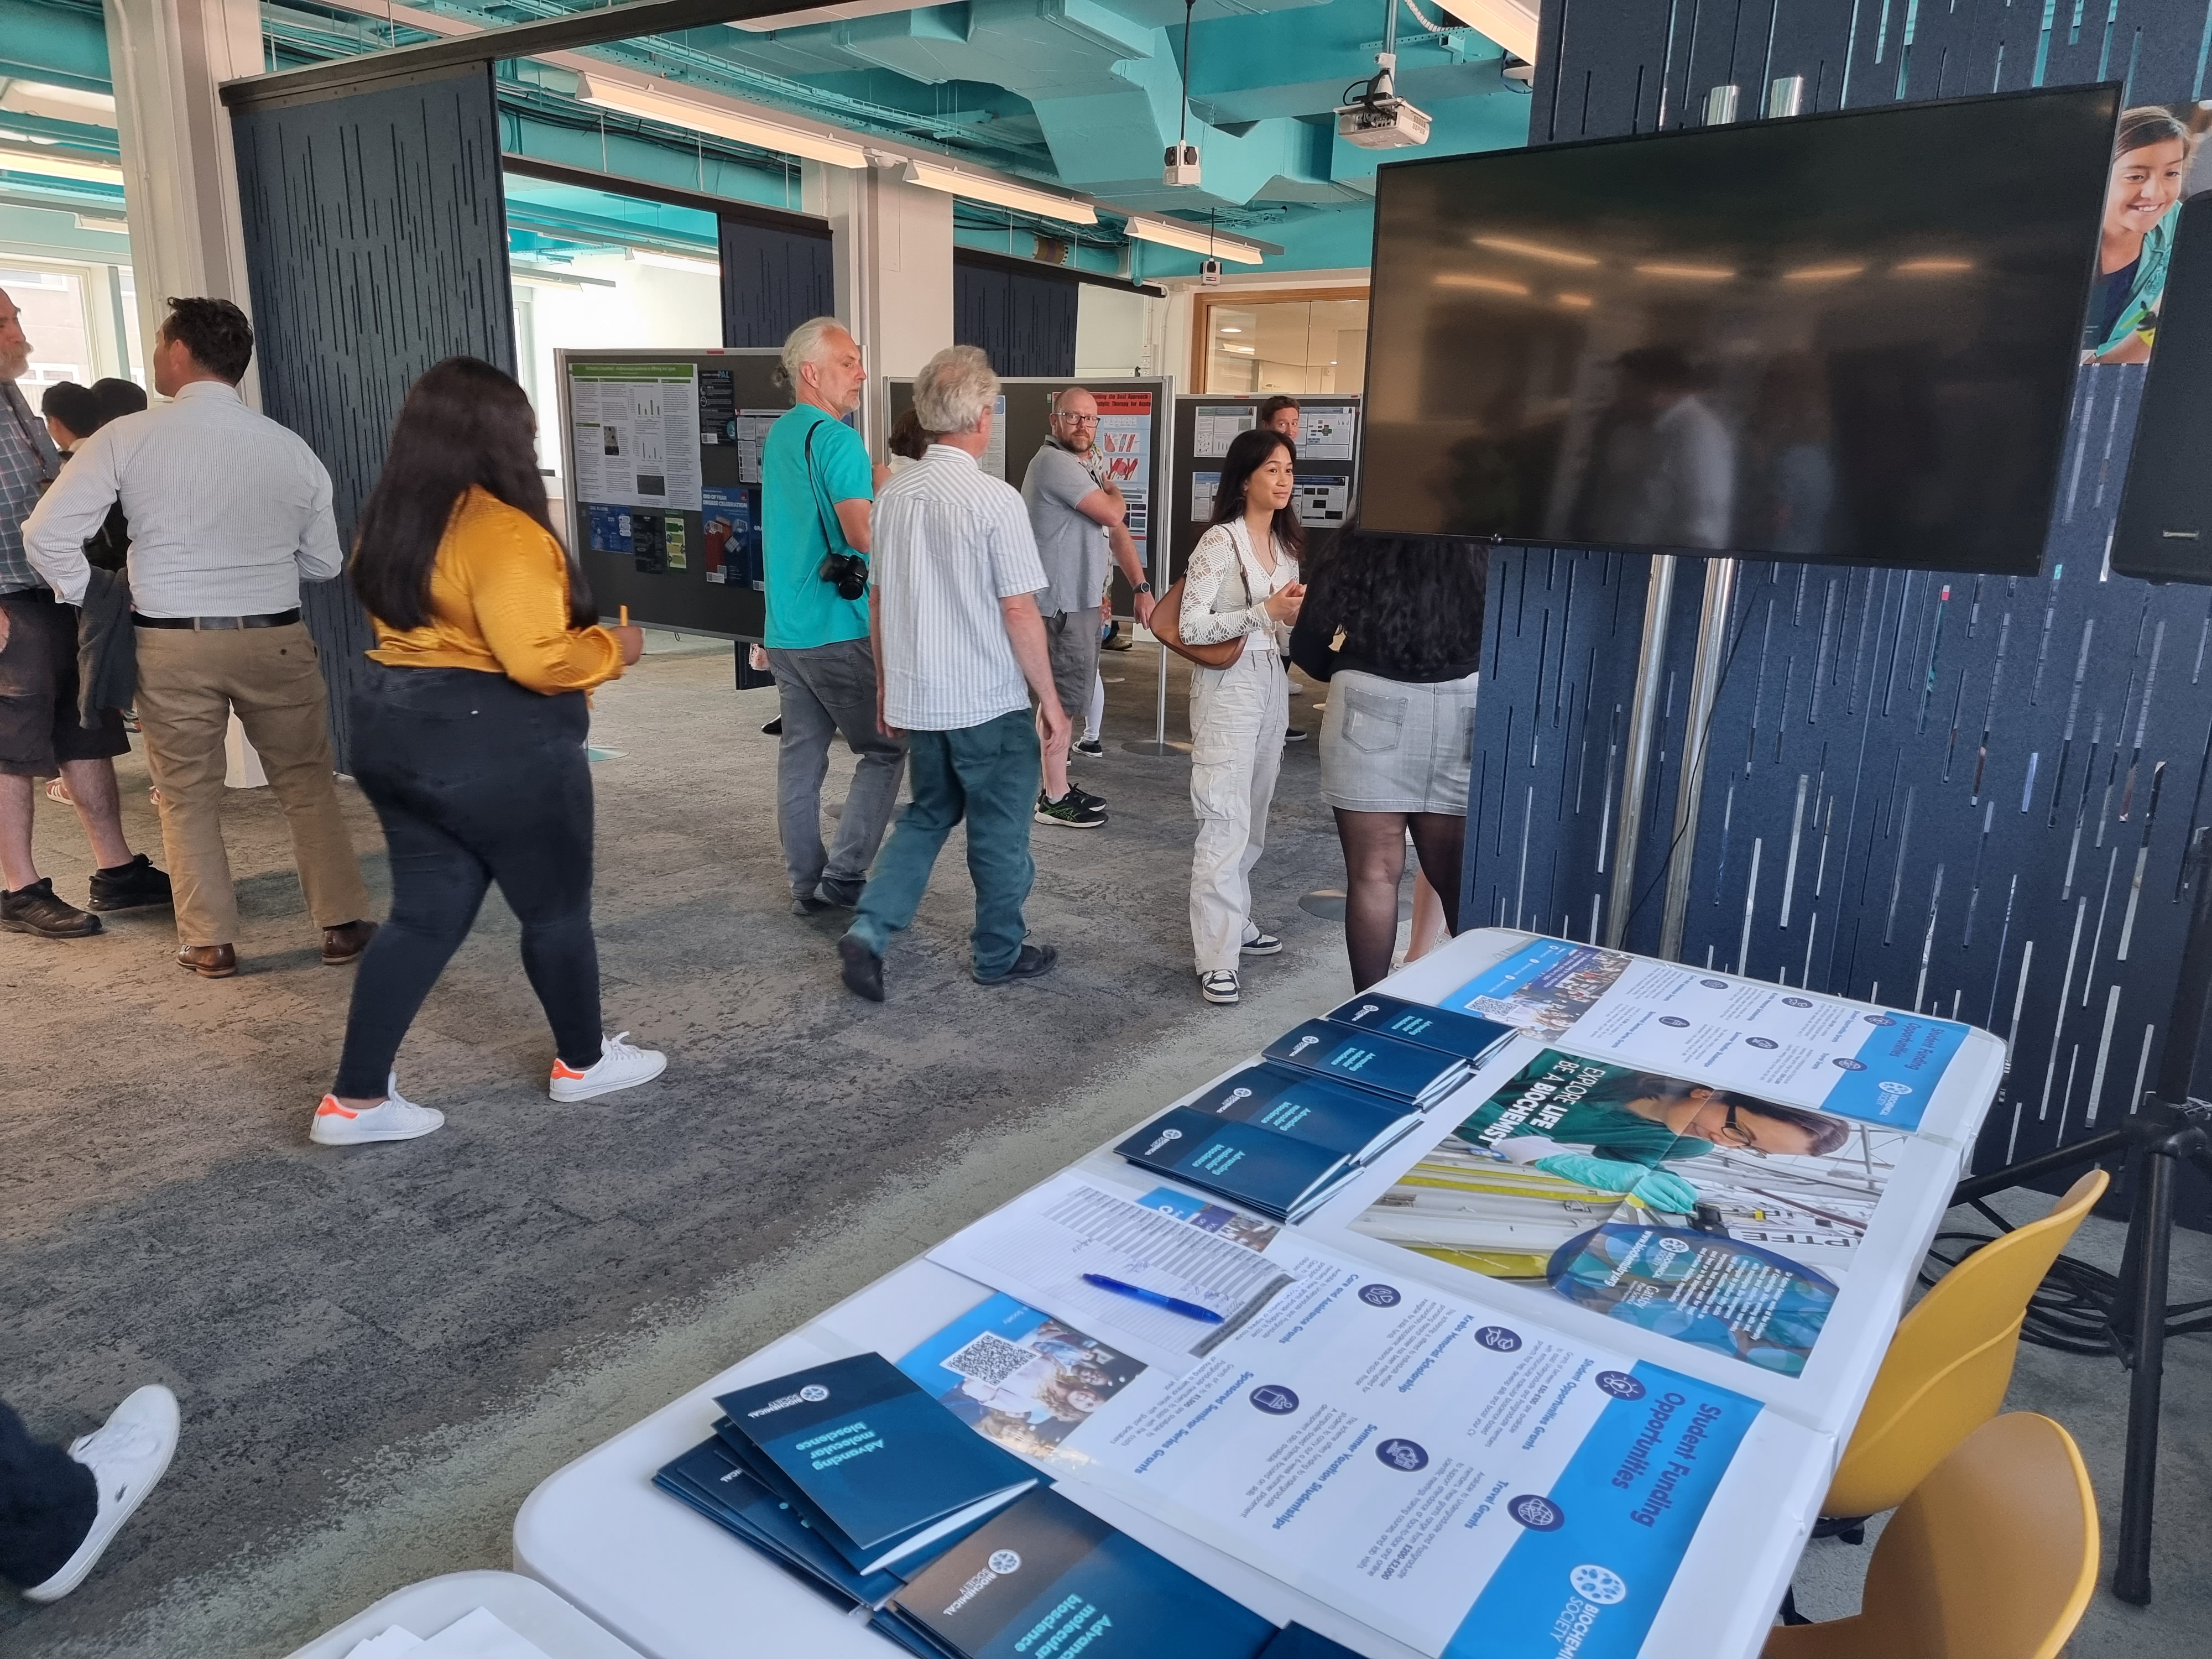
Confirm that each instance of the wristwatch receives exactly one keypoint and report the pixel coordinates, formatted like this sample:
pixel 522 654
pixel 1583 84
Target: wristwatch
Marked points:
pixel 1142 587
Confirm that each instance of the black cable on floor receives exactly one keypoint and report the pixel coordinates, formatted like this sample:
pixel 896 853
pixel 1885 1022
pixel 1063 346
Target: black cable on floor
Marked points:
pixel 2072 1310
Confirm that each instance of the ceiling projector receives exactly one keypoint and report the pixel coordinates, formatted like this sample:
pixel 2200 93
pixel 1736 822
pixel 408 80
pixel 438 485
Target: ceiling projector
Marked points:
pixel 1378 119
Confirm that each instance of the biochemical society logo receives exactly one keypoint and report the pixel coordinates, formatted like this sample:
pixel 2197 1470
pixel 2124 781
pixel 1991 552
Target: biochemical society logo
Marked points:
pixel 996 1565
pixel 812 1394
pixel 1165 1137
pixel 1595 1589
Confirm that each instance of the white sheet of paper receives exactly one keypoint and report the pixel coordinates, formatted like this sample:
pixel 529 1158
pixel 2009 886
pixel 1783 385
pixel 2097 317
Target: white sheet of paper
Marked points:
pixel 480 1635
pixel 1038 1248
pixel 394 1639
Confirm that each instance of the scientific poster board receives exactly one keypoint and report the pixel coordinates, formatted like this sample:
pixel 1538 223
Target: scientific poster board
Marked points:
pixel 1132 435
pixel 1328 462
pixel 661 451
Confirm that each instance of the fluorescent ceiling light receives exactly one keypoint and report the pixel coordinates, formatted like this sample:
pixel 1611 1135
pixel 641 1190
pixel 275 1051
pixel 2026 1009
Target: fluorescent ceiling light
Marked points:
pixel 1934 267
pixel 96 109
pixel 1687 273
pixel 698 264
pixel 47 163
pixel 1822 273
pixel 1576 301
pixel 1557 256
pixel 1488 284
pixel 106 227
pixel 1226 329
pixel 539 276
pixel 724 123
pixel 1193 241
pixel 1000 192
pixel 1511 23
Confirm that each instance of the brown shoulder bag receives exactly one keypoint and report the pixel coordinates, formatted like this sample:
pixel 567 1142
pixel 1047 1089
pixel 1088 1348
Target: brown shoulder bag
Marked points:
pixel 1167 629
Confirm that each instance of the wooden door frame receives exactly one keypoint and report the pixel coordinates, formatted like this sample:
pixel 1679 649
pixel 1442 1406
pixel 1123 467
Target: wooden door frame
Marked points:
pixel 1202 302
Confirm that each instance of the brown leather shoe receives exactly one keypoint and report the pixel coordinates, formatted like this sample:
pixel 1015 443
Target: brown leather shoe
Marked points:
pixel 208 961
pixel 345 943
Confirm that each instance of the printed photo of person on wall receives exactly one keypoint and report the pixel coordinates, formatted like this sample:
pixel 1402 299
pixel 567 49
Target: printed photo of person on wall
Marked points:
pixel 2152 159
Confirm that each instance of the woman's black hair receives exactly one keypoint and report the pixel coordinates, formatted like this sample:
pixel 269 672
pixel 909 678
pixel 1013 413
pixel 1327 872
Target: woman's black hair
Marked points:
pixel 464 422
pixel 1415 605
pixel 75 406
pixel 1248 453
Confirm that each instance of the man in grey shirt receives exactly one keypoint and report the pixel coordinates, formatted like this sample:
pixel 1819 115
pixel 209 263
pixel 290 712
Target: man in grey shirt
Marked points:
pixel 1080 524
pixel 228 510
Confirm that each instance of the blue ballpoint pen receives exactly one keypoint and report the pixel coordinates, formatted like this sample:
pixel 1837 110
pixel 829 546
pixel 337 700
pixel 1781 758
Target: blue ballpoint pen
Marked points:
pixel 1188 1310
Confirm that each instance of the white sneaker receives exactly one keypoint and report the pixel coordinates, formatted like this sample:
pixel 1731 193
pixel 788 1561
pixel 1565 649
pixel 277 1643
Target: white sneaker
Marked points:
pixel 621 1066
pixel 398 1119
pixel 126 1456
pixel 1219 985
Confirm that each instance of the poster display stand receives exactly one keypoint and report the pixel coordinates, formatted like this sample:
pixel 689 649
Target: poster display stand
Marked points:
pixel 1134 431
pixel 660 451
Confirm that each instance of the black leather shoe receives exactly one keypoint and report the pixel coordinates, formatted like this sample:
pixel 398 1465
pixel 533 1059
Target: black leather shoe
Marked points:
pixel 840 897
pixel 1034 959
pixel 345 942
pixel 137 885
pixel 35 909
pixel 810 904
pixel 862 969
pixel 208 961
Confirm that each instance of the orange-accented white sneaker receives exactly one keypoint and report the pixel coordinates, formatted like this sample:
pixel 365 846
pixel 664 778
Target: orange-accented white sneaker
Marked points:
pixel 621 1066
pixel 397 1118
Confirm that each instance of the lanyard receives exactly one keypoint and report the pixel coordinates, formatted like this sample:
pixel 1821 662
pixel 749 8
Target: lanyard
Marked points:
pixel 19 410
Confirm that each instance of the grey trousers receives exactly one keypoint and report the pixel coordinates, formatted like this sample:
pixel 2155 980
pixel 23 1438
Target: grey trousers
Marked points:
pixel 828 691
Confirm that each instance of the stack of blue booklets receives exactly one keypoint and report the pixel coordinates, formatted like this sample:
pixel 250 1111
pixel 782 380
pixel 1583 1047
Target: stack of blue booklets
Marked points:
pixel 1280 1138
pixel 1471 1037
pixel 1047 1577
pixel 847 1474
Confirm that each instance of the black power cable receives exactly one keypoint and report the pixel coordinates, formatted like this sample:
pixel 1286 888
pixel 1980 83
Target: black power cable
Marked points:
pixel 2075 1309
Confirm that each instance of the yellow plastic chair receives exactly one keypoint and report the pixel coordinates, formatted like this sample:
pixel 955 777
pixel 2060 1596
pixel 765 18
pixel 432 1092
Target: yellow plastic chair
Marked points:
pixel 1951 1361
pixel 1994 1557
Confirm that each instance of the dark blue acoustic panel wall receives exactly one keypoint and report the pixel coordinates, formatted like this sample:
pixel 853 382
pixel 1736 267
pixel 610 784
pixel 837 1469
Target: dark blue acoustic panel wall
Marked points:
pixel 773 280
pixel 1962 794
pixel 376 243
pixel 1025 323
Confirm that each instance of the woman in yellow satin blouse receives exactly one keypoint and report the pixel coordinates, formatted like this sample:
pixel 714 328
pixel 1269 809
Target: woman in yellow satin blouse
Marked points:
pixel 468 738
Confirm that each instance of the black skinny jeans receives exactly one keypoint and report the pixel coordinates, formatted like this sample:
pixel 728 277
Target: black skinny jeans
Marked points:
pixel 48 1501
pixel 476 779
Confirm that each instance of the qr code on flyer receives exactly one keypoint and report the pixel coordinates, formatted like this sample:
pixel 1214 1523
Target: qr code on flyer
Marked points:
pixel 990 1359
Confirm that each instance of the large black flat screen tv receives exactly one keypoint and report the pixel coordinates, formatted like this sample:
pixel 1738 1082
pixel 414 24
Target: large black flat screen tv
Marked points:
pixel 1845 338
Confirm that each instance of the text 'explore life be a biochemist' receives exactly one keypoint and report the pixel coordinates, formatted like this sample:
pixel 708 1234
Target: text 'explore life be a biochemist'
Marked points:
pixel 1468 1483
pixel 1851 1059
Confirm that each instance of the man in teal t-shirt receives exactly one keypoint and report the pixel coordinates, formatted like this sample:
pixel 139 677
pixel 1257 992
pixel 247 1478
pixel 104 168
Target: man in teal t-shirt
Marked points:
pixel 817 491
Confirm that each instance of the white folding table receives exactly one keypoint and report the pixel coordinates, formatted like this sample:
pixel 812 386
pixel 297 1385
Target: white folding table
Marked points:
pixel 523 1605
pixel 675 1586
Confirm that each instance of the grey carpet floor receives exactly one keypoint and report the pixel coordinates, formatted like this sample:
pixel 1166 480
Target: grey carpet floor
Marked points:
pixel 380 1352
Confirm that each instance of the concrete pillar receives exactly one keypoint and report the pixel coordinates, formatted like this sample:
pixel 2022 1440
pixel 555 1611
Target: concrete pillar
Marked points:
pixel 892 248
pixel 167 58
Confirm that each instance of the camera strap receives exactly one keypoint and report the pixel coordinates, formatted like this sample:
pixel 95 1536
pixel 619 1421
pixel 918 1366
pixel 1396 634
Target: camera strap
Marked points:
pixel 833 535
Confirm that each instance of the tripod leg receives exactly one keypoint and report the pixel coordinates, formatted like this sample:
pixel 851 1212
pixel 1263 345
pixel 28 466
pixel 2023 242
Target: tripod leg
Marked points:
pixel 2145 1287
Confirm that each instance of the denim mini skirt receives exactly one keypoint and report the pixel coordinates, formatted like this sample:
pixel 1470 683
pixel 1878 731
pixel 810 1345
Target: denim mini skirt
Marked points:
pixel 1391 746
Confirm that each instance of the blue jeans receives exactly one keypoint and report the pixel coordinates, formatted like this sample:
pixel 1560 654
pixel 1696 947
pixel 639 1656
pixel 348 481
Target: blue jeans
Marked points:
pixel 987 775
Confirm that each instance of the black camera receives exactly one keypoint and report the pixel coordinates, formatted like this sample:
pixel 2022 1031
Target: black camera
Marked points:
pixel 848 572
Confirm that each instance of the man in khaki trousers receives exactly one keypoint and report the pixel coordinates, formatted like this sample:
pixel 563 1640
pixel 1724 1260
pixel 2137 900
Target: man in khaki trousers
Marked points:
pixel 228 510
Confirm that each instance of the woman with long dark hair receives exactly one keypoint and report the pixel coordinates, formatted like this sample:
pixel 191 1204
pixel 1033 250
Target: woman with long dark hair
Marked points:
pixel 1242 584
pixel 1394 625
pixel 468 731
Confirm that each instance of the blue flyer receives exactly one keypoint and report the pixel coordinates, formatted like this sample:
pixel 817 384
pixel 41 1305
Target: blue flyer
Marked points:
pixel 1466 1482
pixel 1798 1048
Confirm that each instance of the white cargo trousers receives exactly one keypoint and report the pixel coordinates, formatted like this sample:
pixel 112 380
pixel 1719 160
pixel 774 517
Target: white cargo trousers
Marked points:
pixel 1237 718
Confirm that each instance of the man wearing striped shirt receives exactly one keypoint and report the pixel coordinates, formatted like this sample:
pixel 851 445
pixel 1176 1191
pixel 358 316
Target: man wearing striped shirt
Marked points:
pixel 959 647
